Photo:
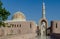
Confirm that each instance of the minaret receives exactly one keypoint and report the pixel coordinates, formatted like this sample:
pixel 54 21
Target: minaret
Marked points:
pixel 43 10
pixel 43 23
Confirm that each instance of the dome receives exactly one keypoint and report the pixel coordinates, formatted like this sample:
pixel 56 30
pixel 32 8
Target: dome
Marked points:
pixel 19 16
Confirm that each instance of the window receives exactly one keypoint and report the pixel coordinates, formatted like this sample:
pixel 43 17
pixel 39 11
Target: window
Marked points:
pixel 56 25
pixel 20 25
pixel 30 25
pixel 17 25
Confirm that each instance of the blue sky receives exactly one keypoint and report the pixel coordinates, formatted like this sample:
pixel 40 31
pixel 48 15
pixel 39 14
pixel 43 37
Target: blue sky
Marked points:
pixel 33 8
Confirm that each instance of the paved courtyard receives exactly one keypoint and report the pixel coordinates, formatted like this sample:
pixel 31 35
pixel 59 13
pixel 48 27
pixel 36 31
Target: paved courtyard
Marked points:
pixel 24 36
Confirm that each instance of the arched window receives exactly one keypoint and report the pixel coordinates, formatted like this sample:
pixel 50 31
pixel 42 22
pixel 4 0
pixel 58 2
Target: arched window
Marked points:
pixel 30 25
pixel 20 25
pixel 17 25
pixel 56 25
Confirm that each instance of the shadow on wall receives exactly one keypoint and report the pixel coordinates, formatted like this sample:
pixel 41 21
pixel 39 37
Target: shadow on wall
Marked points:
pixel 55 36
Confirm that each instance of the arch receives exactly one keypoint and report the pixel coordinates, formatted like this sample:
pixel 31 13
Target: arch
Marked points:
pixel 45 22
pixel 46 25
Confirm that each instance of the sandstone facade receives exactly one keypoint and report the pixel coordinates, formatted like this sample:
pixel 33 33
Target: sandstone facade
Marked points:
pixel 13 28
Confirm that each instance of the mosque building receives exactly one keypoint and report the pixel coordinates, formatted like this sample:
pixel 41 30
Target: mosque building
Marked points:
pixel 19 25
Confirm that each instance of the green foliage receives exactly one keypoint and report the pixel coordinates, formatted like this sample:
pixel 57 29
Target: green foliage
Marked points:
pixel 3 14
pixel 1 4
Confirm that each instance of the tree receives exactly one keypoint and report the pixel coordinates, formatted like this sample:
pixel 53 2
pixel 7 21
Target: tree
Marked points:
pixel 3 14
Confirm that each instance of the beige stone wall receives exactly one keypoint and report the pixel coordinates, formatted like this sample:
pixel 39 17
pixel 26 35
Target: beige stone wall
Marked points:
pixel 1 32
pixel 56 27
pixel 18 28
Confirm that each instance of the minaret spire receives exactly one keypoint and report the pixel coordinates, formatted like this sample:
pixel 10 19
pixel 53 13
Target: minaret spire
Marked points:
pixel 43 10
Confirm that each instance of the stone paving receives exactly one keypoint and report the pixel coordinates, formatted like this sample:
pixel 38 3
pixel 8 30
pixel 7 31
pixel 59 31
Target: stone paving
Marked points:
pixel 24 36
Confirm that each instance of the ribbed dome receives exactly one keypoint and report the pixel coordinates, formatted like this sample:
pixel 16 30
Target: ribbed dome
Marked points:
pixel 19 16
